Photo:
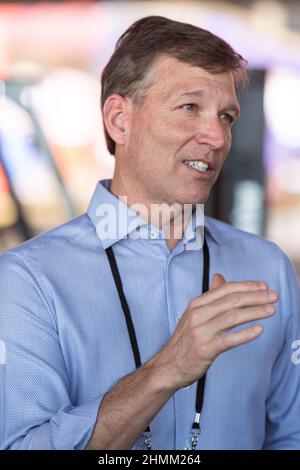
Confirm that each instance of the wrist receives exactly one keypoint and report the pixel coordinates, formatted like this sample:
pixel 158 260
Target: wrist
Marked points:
pixel 159 377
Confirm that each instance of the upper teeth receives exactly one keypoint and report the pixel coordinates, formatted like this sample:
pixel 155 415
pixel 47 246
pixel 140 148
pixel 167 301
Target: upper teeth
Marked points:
pixel 198 165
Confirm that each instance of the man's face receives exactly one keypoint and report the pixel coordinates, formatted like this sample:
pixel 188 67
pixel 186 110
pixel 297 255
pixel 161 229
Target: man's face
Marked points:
pixel 186 117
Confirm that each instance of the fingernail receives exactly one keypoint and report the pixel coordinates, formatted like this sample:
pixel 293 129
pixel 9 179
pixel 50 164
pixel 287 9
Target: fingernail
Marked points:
pixel 272 295
pixel 263 285
pixel 269 308
pixel 257 329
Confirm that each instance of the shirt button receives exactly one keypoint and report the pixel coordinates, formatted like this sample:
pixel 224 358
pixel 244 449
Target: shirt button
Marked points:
pixel 153 235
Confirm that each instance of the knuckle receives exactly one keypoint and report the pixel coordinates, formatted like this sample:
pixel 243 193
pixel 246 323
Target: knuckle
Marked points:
pixel 193 318
pixel 261 311
pixel 192 304
pixel 231 319
pixel 194 335
pixel 224 342
pixel 197 336
pixel 235 299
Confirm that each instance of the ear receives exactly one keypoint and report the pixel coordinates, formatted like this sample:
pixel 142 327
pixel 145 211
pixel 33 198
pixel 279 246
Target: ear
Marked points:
pixel 115 117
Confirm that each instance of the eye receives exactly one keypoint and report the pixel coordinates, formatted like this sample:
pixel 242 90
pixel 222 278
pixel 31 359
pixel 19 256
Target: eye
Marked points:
pixel 228 117
pixel 189 106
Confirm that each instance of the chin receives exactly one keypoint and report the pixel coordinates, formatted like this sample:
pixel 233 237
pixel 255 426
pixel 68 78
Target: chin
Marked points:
pixel 193 198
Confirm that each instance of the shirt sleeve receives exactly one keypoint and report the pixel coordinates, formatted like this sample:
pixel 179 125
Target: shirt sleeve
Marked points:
pixel 283 403
pixel 35 407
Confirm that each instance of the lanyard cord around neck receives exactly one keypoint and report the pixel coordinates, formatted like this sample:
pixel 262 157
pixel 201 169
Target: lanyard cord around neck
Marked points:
pixel 195 429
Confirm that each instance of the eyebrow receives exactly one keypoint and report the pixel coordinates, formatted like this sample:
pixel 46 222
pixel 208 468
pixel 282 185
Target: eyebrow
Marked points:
pixel 201 94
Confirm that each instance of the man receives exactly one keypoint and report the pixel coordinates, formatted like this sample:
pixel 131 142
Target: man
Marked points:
pixel 181 369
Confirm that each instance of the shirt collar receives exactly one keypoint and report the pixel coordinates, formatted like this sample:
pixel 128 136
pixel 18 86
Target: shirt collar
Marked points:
pixel 213 231
pixel 114 220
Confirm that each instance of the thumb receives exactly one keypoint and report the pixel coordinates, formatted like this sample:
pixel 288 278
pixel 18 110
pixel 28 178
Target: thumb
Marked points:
pixel 217 280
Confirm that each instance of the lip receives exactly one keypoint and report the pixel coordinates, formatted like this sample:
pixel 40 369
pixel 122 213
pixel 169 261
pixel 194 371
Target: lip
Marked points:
pixel 205 175
pixel 208 162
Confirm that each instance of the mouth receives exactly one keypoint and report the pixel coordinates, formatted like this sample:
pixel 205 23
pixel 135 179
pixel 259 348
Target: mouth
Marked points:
pixel 204 169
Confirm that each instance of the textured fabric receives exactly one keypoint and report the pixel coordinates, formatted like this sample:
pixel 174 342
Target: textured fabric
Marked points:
pixel 64 341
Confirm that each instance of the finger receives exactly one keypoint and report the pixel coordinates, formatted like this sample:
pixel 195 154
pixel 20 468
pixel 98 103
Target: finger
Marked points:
pixel 230 303
pixel 232 340
pixel 228 288
pixel 238 317
pixel 217 280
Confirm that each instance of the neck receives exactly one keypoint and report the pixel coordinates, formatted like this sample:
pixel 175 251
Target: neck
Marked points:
pixel 172 220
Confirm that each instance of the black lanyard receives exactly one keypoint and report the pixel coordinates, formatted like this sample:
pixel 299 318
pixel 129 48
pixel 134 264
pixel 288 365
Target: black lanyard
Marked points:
pixel 195 430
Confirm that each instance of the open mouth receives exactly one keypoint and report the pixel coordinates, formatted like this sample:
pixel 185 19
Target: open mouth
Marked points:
pixel 201 169
pixel 198 165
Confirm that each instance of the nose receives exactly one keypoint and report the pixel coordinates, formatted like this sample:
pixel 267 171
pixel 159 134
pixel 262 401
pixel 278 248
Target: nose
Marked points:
pixel 212 132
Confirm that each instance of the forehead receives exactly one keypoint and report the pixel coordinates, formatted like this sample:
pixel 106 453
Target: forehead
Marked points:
pixel 172 77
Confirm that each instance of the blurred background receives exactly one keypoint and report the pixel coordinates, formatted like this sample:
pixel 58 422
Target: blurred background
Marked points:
pixel 52 149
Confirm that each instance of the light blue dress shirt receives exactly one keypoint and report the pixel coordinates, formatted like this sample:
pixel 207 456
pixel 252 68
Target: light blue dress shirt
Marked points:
pixel 64 342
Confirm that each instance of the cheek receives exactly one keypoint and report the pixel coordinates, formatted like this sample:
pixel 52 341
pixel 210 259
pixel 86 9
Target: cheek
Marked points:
pixel 177 128
pixel 158 140
pixel 167 129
